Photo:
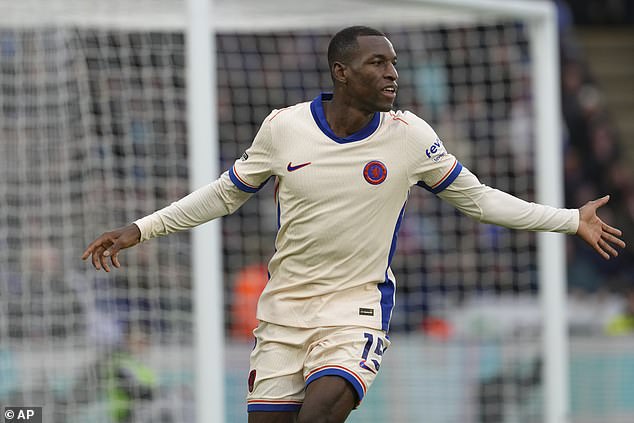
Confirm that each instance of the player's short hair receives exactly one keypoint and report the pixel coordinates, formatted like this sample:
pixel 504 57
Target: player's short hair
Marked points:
pixel 344 43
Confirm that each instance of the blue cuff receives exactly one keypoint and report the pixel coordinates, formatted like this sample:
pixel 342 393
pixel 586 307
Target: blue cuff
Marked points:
pixel 243 186
pixel 445 183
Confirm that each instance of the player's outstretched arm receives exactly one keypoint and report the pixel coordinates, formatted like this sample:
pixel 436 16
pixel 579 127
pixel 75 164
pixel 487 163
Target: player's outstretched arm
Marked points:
pixel 217 199
pixel 109 244
pixel 489 205
pixel 599 235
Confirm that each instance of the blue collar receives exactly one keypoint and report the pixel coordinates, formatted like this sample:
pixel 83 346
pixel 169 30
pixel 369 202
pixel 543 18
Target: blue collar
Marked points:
pixel 317 110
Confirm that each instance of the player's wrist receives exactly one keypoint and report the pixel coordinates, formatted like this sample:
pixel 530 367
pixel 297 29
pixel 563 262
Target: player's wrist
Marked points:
pixel 144 228
pixel 137 230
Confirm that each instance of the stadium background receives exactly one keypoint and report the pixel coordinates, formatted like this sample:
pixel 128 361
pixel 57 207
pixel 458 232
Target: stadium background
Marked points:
pixel 51 310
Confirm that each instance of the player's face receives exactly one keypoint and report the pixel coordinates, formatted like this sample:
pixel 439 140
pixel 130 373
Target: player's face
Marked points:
pixel 372 75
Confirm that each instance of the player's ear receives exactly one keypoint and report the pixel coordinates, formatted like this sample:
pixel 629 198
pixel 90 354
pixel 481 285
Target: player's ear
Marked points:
pixel 339 72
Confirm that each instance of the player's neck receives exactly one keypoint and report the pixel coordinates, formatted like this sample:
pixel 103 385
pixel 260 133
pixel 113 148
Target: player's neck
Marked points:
pixel 344 119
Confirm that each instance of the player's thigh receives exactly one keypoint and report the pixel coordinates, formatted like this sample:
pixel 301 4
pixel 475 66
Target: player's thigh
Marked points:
pixel 328 399
pixel 276 380
pixel 340 368
pixel 272 417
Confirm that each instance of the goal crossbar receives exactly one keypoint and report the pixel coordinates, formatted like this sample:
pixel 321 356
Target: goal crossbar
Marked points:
pixel 254 15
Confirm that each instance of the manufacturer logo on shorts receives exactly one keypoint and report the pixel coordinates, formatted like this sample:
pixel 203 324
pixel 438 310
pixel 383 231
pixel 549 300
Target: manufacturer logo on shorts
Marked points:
pixel 375 172
pixel 366 311
pixel 251 380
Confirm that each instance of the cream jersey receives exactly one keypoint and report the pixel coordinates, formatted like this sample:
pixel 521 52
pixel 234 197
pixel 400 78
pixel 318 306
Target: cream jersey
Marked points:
pixel 340 202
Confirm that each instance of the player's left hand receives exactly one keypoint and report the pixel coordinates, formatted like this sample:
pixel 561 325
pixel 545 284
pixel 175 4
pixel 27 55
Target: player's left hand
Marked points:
pixel 598 234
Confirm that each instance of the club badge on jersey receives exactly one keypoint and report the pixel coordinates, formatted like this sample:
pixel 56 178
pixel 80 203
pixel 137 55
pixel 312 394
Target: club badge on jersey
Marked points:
pixel 374 172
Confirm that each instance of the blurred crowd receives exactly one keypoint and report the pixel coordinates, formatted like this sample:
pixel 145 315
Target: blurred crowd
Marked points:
pixel 600 12
pixel 596 156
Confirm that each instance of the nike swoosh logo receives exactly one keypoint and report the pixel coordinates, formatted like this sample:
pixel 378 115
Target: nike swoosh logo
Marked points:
pixel 292 168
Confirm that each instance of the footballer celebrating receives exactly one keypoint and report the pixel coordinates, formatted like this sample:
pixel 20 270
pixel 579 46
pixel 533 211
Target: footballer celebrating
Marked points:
pixel 343 166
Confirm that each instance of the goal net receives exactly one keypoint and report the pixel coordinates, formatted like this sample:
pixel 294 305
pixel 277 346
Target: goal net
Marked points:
pixel 93 134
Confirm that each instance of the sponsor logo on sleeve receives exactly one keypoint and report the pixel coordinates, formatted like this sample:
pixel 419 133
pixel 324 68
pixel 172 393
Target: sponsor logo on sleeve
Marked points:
pixel 436 151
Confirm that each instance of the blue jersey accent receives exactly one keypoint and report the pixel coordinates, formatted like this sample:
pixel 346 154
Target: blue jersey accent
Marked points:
pixel 445 183
pixel 338 372
pixel 388 287
pixel 317 110
pixel 243 186
pixel 273 407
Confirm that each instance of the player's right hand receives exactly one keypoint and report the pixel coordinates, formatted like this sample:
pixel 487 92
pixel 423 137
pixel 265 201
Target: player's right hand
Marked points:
pixel 109 244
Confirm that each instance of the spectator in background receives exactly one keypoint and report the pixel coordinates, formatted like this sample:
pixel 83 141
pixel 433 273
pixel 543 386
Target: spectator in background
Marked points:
pixel 247 288
pixel 129 381
pixel 624 322
pixel 127 384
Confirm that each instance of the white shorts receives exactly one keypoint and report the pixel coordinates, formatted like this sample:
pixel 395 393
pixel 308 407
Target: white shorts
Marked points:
pixel 286 359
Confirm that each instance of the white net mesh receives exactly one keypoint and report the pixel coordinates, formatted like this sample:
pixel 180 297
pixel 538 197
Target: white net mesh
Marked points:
pixel 93 135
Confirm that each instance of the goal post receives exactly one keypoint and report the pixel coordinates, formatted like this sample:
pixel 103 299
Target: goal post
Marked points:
pixel 204 164
pixel 550 190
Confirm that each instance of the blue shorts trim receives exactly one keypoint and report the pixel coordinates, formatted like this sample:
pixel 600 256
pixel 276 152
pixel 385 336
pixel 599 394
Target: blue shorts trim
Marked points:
pixel 274 407
pixel 350 377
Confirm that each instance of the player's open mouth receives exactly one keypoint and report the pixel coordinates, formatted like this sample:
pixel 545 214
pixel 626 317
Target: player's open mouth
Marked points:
pixel 389 92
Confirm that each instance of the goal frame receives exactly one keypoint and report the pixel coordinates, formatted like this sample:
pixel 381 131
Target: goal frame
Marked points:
pixel 543 38
pixel 201 20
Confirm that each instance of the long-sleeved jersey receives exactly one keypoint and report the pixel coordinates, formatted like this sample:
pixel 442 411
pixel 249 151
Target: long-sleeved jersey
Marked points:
pixel 340 202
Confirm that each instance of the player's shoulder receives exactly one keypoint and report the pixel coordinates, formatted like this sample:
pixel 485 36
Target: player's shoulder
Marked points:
pixel 286 114
pixel 415 125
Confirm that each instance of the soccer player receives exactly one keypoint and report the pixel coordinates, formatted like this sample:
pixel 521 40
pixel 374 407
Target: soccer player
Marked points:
pixel 343 165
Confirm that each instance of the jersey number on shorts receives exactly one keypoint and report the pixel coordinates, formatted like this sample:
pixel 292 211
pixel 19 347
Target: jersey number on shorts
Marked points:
pixel 366 350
